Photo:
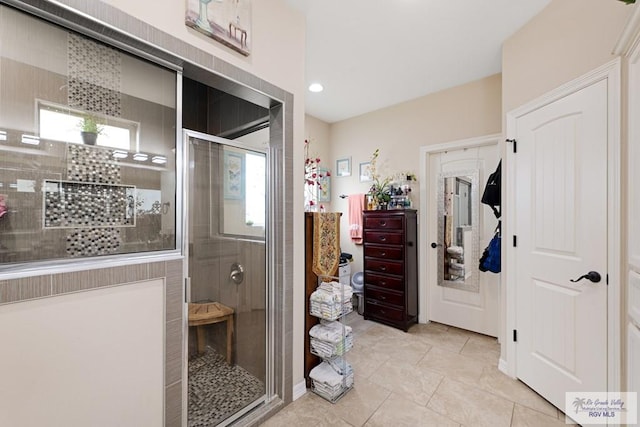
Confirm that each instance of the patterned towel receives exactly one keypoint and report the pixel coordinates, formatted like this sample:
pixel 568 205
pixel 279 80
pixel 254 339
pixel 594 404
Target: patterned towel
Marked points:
pixel 326 242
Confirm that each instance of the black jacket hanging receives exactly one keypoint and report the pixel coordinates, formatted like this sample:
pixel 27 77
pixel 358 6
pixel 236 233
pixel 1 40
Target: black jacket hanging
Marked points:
pixel 491 195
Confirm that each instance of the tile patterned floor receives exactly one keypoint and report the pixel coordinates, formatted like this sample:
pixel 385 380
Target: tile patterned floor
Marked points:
pixel 434 375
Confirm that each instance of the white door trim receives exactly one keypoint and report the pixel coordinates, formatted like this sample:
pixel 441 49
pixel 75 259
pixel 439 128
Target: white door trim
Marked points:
pixel 426 204
pixel 611 73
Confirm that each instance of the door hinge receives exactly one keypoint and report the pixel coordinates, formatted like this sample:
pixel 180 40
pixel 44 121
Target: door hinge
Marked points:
pixel 515 144
pixel 515 240
pixel 515 335
pixel 607 279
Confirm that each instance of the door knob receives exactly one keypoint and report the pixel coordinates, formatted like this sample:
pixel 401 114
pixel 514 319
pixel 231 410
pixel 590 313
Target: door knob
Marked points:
pixel 594 276
pixel 435 245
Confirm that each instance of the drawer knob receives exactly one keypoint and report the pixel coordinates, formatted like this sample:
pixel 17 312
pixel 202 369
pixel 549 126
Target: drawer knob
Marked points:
pixel 383 254
pixel 383 283
pixel 383 268
pixel 382 297
pixel 383 238
pixel 383 223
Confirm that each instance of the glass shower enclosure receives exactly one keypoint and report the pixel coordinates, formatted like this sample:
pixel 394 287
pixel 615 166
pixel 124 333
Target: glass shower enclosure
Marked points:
pixel 228 292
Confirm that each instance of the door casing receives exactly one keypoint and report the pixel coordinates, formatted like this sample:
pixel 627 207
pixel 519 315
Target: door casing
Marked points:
pixel 611 73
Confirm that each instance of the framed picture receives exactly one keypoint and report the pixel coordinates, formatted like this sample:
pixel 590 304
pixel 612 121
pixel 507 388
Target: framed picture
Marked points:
pixel 233 176
pixel 365 172
pixel 324 192
pixel 343 167
pixel 225 21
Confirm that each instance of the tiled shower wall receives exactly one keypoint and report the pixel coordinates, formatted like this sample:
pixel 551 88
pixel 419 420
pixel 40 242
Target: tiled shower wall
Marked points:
pixel 50 285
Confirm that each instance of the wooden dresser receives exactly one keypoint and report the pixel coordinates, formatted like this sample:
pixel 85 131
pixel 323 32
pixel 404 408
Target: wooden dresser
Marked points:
pixel 391 267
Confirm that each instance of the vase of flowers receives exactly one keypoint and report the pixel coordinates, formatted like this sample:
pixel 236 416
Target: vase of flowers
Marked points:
pixel 379 194
pixel 313 177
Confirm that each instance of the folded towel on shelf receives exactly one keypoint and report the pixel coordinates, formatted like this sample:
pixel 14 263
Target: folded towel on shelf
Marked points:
pixel 328 383
pixel 330 331
pixel 331 300
pixel 325 374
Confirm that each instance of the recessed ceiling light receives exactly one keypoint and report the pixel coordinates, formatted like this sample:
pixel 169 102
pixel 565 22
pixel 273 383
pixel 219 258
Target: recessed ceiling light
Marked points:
pixel 316 87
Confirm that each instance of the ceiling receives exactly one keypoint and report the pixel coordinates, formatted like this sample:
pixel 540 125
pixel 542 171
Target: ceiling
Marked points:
pixel 370 54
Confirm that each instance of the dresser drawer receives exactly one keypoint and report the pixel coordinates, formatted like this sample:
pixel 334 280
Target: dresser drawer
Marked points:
pixel 381 281
pixel 382 237
pixel 387 252
pixel 386 297
pixel 383 223
pixel 374 309
pixel 383 266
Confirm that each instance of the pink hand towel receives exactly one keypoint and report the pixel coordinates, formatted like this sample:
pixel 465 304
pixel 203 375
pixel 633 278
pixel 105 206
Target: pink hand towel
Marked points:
pixel 356 206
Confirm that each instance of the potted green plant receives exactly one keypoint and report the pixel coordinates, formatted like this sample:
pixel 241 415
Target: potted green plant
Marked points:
pixel 90 129
pixel 380 191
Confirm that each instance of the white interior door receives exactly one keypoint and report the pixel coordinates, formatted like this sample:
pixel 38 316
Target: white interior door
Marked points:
pixel 477 309
pixel 561 230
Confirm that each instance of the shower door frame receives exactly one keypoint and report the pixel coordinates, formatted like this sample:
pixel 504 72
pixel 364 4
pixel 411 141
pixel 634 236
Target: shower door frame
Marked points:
pixel 270 392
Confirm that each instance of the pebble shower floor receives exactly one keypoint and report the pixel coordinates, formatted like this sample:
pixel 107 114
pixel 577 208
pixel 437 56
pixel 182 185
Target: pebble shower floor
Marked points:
pixel 218 390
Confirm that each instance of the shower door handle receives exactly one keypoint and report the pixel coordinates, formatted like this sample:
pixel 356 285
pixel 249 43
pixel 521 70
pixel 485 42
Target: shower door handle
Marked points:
pixel 237 273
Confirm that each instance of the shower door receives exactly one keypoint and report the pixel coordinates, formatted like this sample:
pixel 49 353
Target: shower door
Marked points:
pixel 227 353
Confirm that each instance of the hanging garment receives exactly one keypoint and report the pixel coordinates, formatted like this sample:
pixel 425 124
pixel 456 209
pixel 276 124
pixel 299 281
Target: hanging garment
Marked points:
pixel 492 191
pixel 356 206
pixel 490 260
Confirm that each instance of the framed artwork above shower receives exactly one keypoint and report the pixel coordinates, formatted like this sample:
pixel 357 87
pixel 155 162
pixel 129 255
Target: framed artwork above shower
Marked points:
pixel 225 21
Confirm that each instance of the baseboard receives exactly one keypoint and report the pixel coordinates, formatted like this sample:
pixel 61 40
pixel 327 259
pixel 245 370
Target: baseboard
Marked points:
pixel 503 367
pixel 299 390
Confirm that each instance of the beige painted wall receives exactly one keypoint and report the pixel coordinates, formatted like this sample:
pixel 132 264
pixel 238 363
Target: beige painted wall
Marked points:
pixel 465 111
pixel 567 39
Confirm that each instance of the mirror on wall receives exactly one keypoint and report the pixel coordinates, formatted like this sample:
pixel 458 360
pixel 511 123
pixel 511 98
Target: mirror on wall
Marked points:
pixel 458 251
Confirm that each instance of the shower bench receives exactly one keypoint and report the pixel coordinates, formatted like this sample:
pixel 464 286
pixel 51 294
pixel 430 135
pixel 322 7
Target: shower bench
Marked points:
pixel 202 314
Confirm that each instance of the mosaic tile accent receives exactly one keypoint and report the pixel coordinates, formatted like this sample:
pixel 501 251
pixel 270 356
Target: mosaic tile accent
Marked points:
pixel 93 241
pixel 85 203
pixel 88 164
pixel 70 204
pixel 218 390
pixel 94 76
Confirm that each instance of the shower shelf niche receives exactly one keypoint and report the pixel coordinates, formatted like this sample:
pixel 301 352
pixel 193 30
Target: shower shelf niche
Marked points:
pixel 73 204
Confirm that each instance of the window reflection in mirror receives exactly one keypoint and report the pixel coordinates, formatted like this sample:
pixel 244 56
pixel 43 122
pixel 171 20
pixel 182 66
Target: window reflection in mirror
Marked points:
pixel 458 229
